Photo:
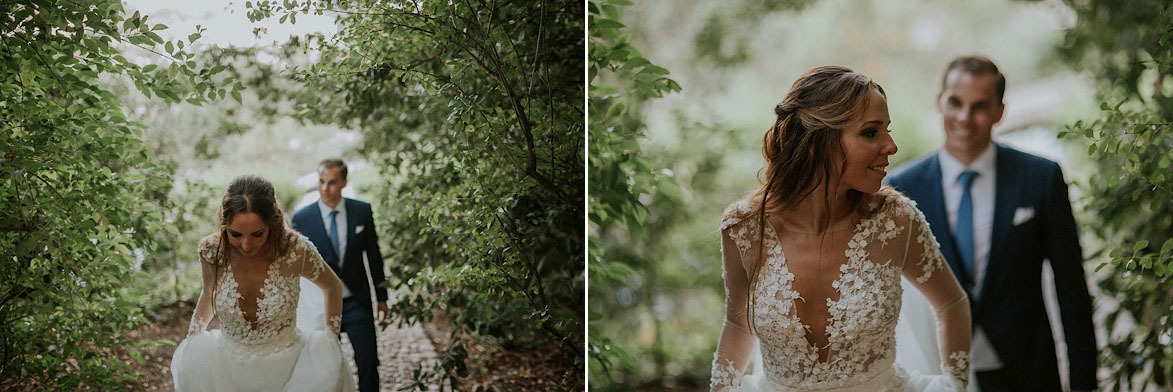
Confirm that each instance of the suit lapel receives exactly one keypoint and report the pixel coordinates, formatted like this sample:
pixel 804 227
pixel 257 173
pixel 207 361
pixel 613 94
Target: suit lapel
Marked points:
pixel 351 223
pixel 1005 200
pixel 316 231
pixel 934 210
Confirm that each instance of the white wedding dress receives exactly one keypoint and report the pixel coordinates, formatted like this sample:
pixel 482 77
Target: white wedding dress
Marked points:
pixel 277 352
pixel 858 351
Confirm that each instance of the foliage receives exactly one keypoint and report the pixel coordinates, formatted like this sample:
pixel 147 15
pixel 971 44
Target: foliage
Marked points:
pixel 1128 47
pixel 203 147
pixel 472 113
pixel 83 193
pixel 621 82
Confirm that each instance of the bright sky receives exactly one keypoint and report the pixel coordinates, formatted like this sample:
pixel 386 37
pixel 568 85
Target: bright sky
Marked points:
pixel 226 21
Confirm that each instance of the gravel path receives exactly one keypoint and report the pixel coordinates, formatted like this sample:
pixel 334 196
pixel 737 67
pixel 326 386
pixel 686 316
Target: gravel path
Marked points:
pixel 401 351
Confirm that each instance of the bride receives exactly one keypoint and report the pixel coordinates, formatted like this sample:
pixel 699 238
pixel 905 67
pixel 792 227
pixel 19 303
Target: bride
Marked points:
pixel 252 273
pixel 813 260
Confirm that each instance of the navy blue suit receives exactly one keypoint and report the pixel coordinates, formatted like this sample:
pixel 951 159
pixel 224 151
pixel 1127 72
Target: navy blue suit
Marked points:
pixel 357 320
pixel 1010 306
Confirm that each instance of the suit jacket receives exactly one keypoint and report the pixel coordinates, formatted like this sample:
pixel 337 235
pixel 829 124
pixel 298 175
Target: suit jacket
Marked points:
pixel 1010 306
pixel 308 221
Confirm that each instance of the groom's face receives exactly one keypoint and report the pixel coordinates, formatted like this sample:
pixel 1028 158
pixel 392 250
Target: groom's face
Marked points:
pixel 970 106
pixel 330 184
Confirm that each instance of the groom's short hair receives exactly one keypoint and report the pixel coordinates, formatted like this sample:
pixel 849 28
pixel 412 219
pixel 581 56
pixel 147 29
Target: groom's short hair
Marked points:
pixel 330 163
pixel 974 65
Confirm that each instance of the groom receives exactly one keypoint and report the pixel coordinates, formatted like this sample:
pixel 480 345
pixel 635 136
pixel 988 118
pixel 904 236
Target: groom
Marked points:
pixel 343 230
pixel 998 213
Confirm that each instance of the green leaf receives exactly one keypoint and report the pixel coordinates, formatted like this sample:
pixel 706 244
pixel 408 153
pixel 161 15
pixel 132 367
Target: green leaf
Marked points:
pixel 617 109
pixel 671 190
pixel 1140 245
pixel 654 70
pixel 603 90
pixel 619 271
pixel 1166 247
pixel 138 356
pixel 607 24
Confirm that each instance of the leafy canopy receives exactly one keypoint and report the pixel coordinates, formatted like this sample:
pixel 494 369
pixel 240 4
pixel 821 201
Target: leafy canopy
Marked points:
pixel 83 194
pixel 472 113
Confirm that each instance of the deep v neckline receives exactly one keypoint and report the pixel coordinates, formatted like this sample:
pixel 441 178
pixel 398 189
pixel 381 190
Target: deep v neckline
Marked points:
pixel 255 322
pixel 836 286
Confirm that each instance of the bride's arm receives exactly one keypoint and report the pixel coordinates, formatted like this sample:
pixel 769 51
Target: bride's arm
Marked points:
pixel 736 343
pixel 316 270
pixel 202 317
pixel 927 270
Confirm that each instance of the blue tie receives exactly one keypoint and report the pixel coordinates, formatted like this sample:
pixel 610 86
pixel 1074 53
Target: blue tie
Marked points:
pixel 334 233
pixel 964 229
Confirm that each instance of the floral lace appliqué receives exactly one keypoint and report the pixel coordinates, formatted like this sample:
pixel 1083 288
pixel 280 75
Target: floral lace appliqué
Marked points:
pixel 335 324
pixel 197 324
pixel 931 258
pixel 862 321
pixel 275 324
pixel 960 367
pixel 725 374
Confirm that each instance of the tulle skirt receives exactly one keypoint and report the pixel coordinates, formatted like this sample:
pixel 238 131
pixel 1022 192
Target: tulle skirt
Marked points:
pixel 891 379
pixel 306 360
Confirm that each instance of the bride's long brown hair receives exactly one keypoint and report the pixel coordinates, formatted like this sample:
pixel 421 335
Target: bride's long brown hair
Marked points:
pixel 801 146
pixel 250 193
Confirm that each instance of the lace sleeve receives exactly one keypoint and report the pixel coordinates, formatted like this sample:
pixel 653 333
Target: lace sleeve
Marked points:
pixel 925 269
pixel 204 313
pixel 736 343
pixel 316 270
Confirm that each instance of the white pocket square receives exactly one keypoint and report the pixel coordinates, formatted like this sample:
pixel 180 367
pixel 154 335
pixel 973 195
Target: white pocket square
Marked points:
pixel 1023 214
pixel 358 229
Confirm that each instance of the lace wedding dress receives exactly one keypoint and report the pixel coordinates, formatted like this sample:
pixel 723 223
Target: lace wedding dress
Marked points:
pixel 848 344
pixel 265 350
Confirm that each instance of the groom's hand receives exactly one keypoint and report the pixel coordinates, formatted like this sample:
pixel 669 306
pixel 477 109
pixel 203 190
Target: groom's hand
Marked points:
pixel 382 311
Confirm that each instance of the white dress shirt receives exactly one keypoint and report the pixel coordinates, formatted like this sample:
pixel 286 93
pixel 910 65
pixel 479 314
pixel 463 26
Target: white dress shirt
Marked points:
pixel 981 191
pixel 341 219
